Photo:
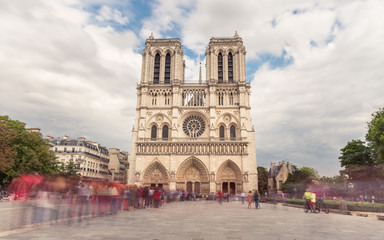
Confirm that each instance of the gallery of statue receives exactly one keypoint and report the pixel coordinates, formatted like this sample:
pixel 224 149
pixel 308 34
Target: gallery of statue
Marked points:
pixel 194 136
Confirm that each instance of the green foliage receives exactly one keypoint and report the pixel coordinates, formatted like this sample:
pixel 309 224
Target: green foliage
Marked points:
pixel 355 153
pixel 334 204
pixel 262 179
pixel 375 135
pixel 32 152
pixel 69 169
pixel 299 180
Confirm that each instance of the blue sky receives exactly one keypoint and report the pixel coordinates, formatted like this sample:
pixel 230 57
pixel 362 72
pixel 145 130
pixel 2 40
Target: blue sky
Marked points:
pixel 71 67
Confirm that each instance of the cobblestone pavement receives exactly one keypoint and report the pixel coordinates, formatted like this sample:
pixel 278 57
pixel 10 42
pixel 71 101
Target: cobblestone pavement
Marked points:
pixel 209 220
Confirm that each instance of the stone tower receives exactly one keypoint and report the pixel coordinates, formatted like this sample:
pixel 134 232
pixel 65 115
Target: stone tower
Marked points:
pixel 196 137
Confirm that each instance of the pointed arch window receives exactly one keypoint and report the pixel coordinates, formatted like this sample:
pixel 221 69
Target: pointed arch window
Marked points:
pixel 156 72
pixel 167 72
pixel 154 132
pixel 221 132
pixel 220 67
pixel 165 132
pixel 230 68
pixel 232 132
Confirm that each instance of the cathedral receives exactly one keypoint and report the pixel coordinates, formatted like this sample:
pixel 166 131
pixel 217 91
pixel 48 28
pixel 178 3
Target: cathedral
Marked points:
pixel 194 136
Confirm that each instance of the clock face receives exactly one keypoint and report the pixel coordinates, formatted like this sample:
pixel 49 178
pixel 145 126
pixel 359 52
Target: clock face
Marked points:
pixel 194 126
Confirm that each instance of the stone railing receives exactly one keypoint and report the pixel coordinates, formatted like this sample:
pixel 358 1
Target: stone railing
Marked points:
pixel 197 148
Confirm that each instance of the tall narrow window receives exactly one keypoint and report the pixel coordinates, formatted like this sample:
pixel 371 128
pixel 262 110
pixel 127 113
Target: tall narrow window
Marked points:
pixel 230 68
pixel 153 132
pixel 231 98
pixel 167 74
pixel 220 67
pixel 221 132
pixel 232 132
pixel 156 72
pixel 165 132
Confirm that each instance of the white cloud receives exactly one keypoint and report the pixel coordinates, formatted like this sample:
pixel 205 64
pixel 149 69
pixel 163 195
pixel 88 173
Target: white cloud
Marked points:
pixel 306 111
pixel 106 14
pixel 64 75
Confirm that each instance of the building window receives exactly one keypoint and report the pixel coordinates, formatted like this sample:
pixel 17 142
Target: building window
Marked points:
pixel 154 132
pixel 55 149
pixel 221 132
pixel 230 68
pixel 73 149
pixel 156 72
pixel 80 149
pixel 65 149
pixel 165 132
pixel 220 67
pixel 231 98
pixel 221 98
pixel 167 73
pixel 232 132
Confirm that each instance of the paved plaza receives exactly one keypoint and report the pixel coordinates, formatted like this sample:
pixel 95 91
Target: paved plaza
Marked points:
pixel 204 220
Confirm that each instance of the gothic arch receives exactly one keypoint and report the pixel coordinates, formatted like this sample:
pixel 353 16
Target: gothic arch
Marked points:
pixel 192 163
pixel 229 171
pixel 155 173
pixel 158 119
pixel 168 50
pixel 233 119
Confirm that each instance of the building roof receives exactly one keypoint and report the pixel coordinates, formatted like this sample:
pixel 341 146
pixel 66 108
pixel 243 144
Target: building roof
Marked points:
pixel 77 142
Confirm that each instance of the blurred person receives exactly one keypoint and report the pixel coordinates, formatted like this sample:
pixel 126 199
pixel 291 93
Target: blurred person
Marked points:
pixel 249 200
pixel 220 196
pixel 157 197
pixel 127 194
pixel 83 200
pixel 140 197
pixel 150 197
pixel 132 198
pixel 307 197
pixel 256 198
pixel 313 201
pixel 242 195
pixel 145 196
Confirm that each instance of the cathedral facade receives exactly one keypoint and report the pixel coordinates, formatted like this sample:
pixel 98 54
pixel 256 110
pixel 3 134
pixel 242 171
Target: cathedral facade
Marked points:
pixel 197 137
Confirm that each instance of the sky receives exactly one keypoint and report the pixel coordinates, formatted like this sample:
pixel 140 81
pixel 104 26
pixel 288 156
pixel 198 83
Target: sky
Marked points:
pixel 70 67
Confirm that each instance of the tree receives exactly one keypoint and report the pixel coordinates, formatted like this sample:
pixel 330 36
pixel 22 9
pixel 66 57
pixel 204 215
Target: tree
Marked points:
pixel 299 180
pixel 375 135
pixel 262 179
pixel 27 151
pixel 7 152
pixel 355 154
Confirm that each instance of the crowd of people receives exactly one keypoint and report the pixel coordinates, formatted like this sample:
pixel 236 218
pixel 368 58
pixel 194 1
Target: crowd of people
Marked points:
pixel 55 198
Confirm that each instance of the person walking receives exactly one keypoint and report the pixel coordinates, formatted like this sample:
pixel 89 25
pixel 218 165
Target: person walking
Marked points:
pixel 256 198
pixel 220 195
pixel 249 200
pixel 156 197
pixel 307 197
pixel 242 195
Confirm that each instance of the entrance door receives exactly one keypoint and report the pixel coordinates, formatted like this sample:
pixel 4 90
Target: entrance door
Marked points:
pixel 225 187
pixel 232 186
pixel 153 185
pixel 160 185
pixel 197 187
pixel 189 187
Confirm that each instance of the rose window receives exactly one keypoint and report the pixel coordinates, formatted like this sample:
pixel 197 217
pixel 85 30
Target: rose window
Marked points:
pixel 194 126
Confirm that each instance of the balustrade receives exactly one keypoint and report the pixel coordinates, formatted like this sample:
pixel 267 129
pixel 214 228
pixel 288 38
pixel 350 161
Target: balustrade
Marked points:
pixel 163 148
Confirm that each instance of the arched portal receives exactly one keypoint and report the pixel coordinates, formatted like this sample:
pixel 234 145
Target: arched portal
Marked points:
pixel 156 175
pixel 192 176
pixel 229 178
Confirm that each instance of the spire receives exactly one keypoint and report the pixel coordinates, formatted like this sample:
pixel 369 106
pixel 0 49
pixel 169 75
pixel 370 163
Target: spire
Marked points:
pixel 151 36
pixel 236 35
pixel 200 80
